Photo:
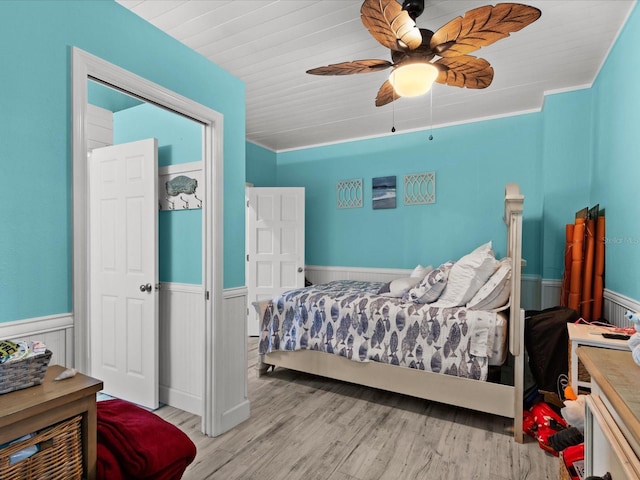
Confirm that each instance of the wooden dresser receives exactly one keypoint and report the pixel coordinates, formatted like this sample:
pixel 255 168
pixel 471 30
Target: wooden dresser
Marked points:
pixel 34 408
pixel 612 421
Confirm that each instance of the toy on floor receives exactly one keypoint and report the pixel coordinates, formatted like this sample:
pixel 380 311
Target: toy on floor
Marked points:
pixel 542 422
pixel 573 411
pixel 606 476
pixel 573 458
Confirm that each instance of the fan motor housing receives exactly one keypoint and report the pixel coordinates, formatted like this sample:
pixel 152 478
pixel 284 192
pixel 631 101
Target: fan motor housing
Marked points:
pixel 413 7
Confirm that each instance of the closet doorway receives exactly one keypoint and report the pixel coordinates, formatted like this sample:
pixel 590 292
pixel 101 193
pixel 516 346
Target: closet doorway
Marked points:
pixel 87 68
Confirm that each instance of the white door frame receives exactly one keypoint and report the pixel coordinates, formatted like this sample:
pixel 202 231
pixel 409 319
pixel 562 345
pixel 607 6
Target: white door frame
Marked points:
pixel 84 67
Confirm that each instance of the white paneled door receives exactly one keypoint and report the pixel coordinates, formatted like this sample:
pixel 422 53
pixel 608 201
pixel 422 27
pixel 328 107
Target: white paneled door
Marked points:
pixel 123 276
pixel 275 245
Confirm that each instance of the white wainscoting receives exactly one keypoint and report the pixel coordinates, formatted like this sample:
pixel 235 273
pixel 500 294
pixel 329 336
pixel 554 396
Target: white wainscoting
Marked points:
pixel 530 298
pixel 319 274
pixel 235 398
pixel 56 331
pixel 181 345
pixel 537 293
pixel 551 292
pixel 181 350
pixel 614 306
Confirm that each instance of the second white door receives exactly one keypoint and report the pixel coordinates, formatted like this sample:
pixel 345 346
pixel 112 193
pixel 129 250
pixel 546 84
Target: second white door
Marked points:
pixel 274 245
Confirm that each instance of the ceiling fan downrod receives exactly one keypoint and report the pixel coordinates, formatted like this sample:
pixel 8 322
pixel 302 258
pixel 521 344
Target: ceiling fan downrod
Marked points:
pixel 414 8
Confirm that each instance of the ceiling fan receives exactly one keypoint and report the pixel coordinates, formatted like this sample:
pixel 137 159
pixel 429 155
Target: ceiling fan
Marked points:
pixel 413 49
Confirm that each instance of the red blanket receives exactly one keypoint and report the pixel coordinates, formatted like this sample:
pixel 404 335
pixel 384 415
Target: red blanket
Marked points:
pixel 145 445
pixel 107 464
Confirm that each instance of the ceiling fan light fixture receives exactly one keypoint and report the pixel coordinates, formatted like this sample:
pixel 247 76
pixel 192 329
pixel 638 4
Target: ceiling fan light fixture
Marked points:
pixel 413 79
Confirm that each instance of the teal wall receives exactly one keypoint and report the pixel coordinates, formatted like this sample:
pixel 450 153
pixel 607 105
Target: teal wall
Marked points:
pixel 36 233
pixel 582 149
pixel 179 141
pixel 472 163
pixel 261 166
pixel 566 171
pixel 616 170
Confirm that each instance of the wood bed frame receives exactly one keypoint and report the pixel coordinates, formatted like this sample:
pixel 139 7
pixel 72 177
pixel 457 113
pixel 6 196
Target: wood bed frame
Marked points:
pixel 492 398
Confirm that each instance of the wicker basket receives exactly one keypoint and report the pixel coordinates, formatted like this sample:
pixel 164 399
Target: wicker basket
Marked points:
pixel 59 457
pixel 564 473
pixel 23 373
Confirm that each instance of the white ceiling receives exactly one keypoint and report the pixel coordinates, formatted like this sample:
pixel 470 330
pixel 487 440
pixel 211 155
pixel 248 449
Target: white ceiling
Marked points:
pixel 269 44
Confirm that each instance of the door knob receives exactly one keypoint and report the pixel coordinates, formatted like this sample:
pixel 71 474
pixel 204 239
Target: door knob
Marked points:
pixel 299 269
pixel 146 288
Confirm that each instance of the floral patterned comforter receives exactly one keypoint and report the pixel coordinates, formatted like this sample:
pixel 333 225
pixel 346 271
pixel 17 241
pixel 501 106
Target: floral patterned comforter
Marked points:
pixel 349 319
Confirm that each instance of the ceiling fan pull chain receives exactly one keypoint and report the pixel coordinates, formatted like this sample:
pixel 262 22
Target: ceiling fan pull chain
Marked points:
pixel 431 115
pixel 393 115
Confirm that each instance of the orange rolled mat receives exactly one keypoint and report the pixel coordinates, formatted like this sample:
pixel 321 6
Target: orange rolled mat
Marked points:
pixel 566 279
pixel 598 270
pixel 576 265
pixel 587 278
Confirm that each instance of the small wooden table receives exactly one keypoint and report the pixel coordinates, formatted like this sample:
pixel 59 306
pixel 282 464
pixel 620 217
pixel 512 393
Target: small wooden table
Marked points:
pixel 588 335
pixel 34 408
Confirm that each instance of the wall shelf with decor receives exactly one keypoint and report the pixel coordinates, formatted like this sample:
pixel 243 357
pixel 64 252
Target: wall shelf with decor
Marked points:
pixel 180 187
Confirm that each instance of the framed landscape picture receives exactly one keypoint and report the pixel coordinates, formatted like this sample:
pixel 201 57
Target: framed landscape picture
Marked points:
pixel 384 192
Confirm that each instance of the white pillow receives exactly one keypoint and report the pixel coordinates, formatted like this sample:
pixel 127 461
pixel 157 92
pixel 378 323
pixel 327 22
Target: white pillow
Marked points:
pixel 495 293
pixel 398 287
pixel 467 276
pixel 431 286
pixel 421 272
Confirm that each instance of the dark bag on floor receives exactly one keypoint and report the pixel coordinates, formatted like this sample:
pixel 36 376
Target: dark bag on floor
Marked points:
pixel 547 342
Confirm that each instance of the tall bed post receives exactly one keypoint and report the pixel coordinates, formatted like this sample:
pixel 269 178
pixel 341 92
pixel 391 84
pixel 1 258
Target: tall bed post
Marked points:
pixel 513 207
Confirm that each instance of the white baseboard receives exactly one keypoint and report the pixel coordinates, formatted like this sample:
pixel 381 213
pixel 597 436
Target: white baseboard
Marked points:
pixel 234 416
pixel 182 400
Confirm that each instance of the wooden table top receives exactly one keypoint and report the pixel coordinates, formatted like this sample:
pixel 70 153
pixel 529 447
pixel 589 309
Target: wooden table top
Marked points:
pixel 618 376
pixel 49 394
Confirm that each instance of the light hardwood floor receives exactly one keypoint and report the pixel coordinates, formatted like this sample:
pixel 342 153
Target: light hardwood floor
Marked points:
pixel 311 428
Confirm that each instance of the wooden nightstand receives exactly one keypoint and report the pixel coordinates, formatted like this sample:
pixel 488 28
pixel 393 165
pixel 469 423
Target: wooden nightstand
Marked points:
pixel 589 335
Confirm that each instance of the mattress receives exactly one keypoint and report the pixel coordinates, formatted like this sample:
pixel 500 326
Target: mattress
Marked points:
pixel 349 319
pixel 500 345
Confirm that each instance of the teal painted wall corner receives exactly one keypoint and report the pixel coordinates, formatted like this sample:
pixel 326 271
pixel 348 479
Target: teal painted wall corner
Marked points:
pixel 36 239
pixel 616 153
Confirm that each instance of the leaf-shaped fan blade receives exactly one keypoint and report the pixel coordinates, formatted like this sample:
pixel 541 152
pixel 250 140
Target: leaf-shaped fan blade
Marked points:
pixel 386 94
pixel 349 68
pixel 481 27
pixel 464 71
pixel 390 24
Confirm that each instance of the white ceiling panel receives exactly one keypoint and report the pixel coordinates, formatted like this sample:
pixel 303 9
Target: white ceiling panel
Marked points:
pixel 269 45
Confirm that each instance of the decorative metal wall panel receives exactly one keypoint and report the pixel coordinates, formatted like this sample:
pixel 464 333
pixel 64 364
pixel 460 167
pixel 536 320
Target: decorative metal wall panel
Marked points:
pixel 420 188
pixel 349 193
